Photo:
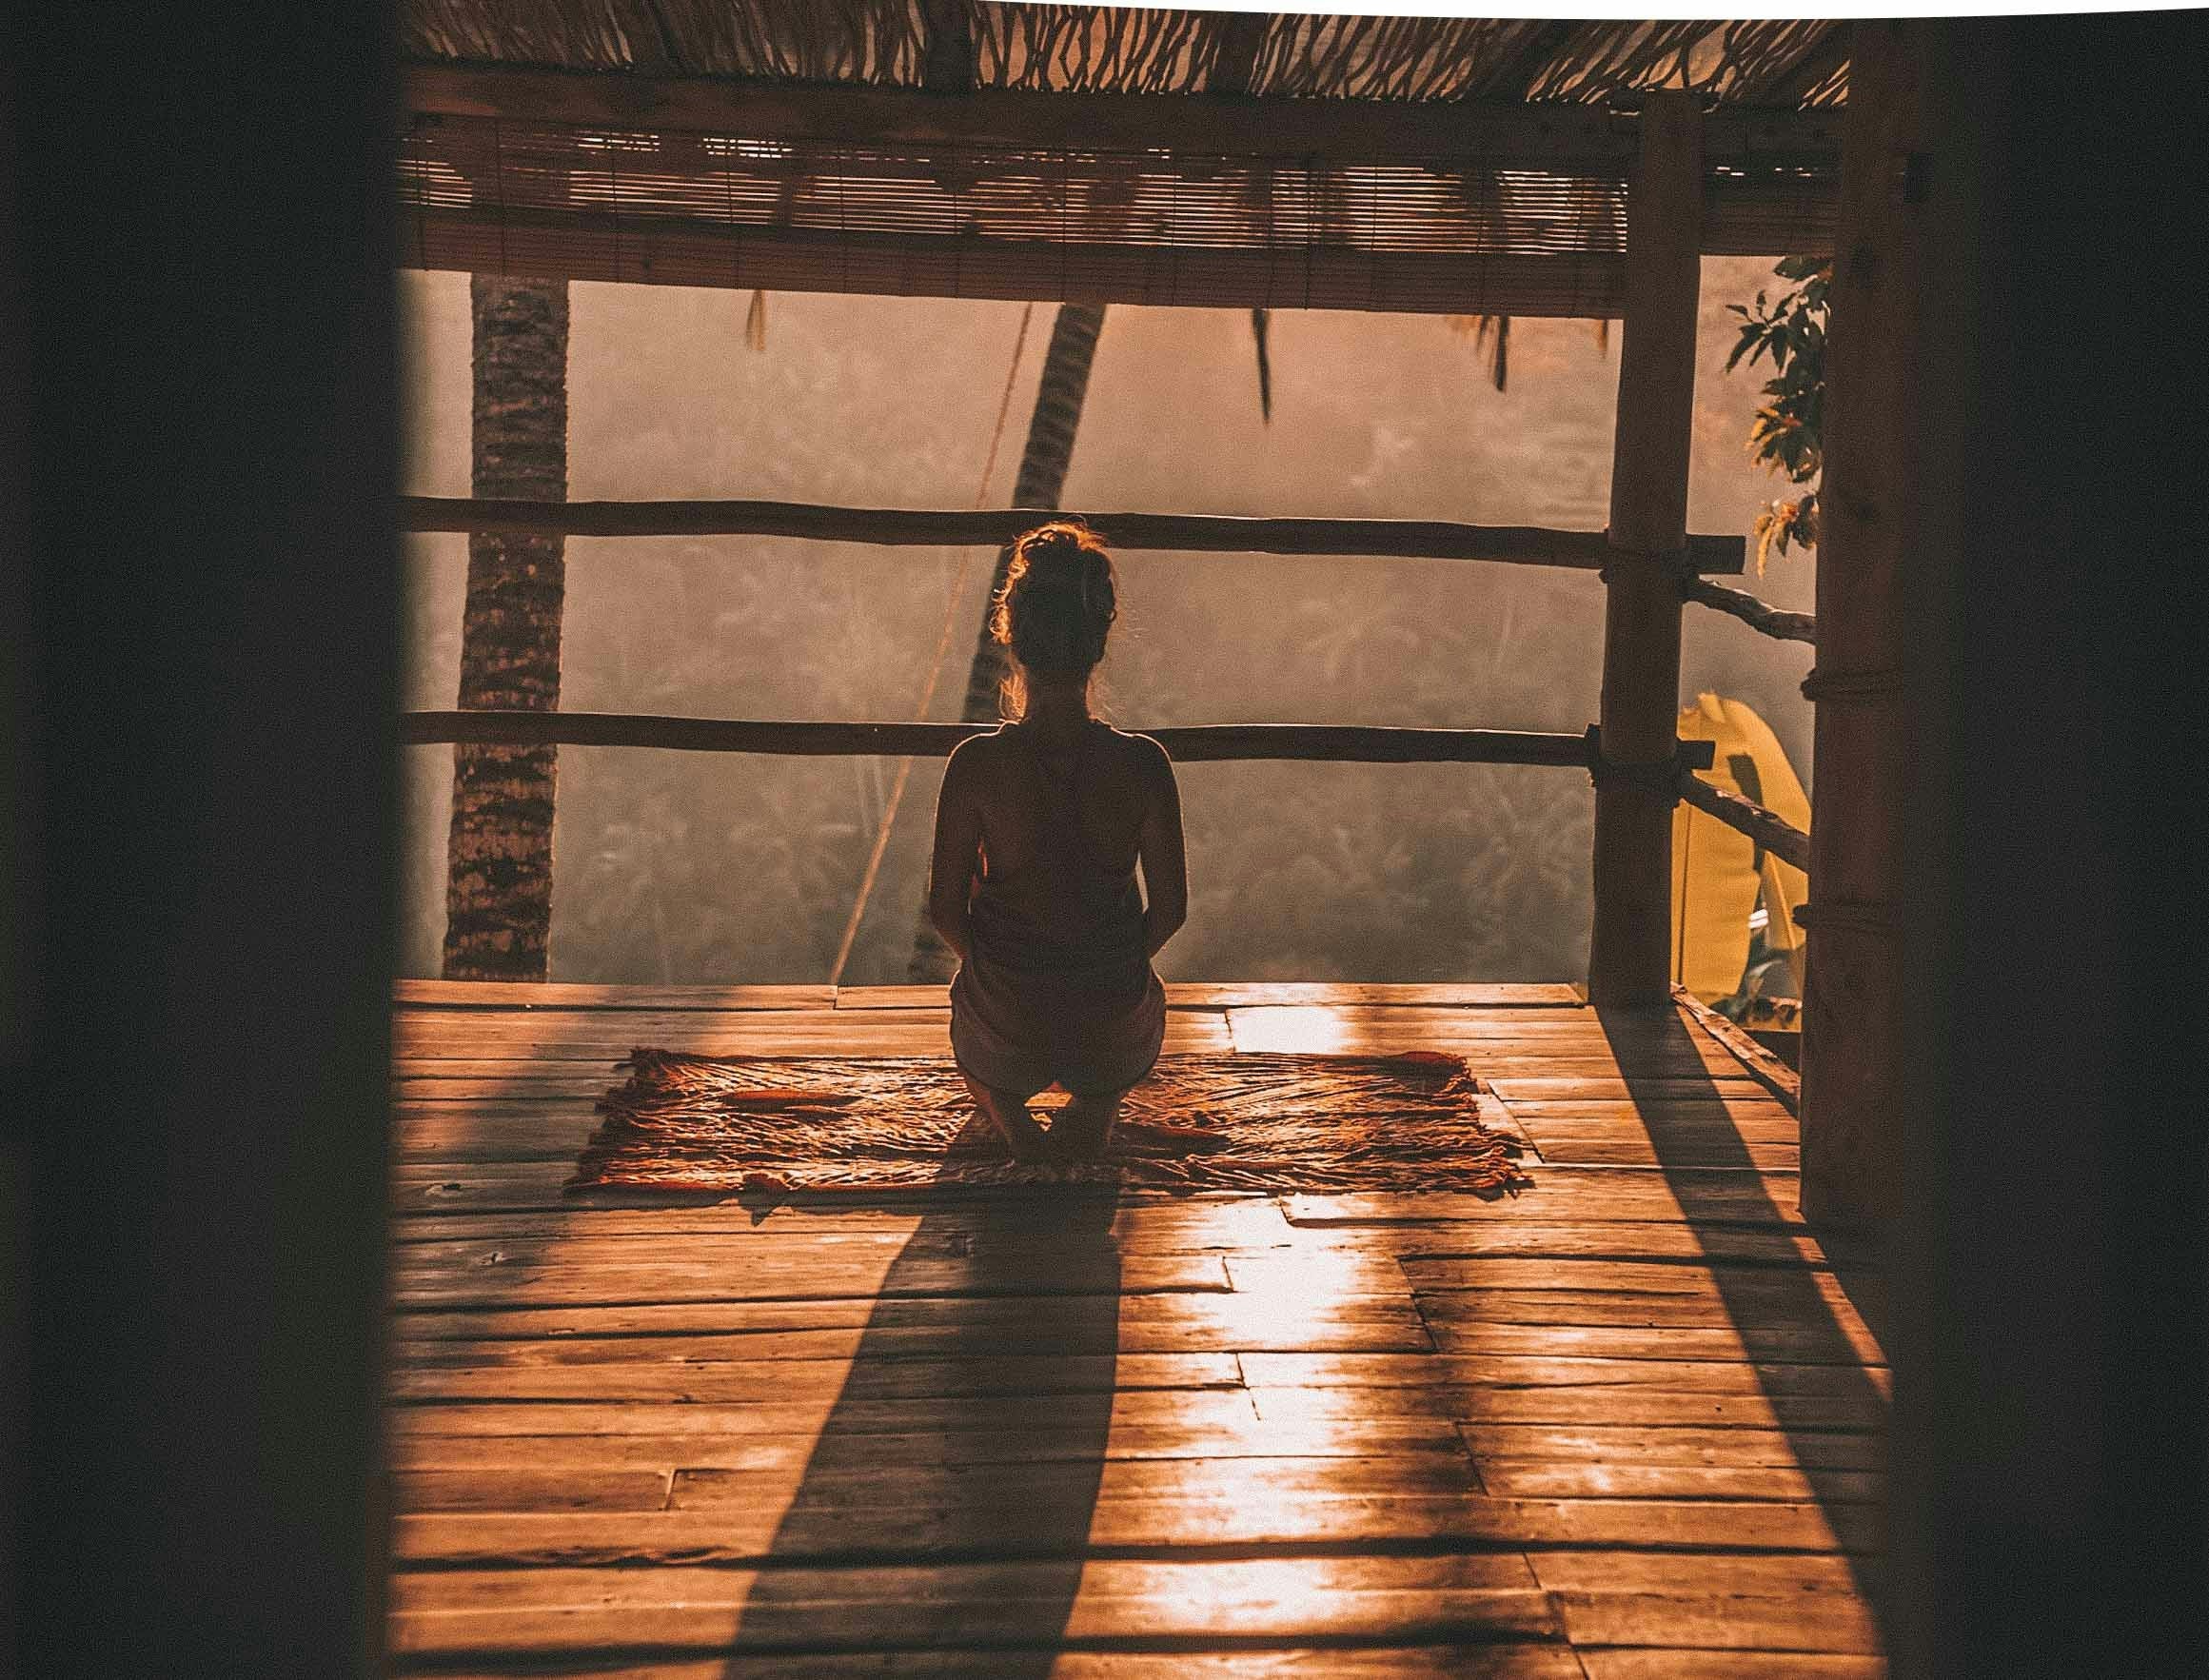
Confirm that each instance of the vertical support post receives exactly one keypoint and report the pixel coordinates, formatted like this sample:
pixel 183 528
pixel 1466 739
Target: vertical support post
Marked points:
pixel 1630 957
pixel 1853 992
pixel 2049 1501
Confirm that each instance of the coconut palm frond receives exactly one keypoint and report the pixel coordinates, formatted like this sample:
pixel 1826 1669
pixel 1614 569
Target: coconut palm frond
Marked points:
pixel 1261 323
pixel 756 321
pixel 1491 333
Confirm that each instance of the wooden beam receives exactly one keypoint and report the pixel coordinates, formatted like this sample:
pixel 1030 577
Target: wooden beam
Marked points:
pixel 1767 828
pixel 1195 533
pixel 1630 955
pixel 1220 125
pixel 1199 743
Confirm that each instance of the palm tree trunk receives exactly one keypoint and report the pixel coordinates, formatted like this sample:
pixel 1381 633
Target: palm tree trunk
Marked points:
pixel 499 888
pixel 1040 484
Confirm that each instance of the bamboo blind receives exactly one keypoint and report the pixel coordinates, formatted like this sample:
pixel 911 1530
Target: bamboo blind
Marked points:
pixel 958 220
pixel 1473 233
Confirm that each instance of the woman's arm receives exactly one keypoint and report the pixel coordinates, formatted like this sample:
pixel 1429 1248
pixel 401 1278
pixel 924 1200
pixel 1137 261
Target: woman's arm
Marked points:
pixel 1160 848
pixel 959 841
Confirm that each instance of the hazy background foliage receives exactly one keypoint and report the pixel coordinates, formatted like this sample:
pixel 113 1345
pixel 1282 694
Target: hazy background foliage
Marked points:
pixel 697 867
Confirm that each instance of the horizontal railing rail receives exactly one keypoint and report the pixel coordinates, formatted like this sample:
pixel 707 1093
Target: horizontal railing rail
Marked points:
pixel 1762 616
pixel 1767 828
pixel 1194 743
pixel 1403 539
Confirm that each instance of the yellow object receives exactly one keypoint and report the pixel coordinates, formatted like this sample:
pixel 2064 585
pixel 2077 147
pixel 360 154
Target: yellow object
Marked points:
pixel 1717 873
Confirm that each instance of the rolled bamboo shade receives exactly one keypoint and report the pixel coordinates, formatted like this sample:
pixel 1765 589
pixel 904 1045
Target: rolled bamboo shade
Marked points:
pixel 1476 231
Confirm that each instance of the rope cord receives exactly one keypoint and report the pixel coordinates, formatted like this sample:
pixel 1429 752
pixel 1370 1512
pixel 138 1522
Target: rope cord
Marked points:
pixel 951 605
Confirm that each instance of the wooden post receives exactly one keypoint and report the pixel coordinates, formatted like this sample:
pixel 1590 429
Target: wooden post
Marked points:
pixel 1853 995
pixel 1630 958
pixel 2050 1337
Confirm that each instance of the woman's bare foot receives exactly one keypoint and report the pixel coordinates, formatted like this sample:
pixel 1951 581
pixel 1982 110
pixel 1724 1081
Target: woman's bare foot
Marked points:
pixel 1084 1126
pixel 1024 1139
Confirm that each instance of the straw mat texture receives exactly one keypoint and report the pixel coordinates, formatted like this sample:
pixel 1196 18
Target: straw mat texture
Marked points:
pixel 1215 1121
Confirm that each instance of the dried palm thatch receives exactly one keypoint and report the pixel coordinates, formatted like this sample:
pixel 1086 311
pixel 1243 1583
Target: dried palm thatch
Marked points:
pixel 1250 1122
pixel 1144 50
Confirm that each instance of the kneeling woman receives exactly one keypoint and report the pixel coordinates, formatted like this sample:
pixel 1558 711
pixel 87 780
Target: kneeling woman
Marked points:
pixel 1038 831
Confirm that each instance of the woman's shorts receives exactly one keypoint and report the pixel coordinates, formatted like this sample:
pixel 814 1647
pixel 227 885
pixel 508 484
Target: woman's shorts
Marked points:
pixel 1023 1033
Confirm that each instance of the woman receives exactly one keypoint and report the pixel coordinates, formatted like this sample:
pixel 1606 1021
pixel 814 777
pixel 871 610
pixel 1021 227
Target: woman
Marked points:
pixel 1038 831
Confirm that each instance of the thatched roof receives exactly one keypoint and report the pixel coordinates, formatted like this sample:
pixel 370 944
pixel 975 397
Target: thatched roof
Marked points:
pixel 1124 49
pixel 962 147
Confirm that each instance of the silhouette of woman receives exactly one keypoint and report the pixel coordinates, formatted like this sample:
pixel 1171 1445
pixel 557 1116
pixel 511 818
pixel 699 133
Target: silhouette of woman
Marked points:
pixel 1039 829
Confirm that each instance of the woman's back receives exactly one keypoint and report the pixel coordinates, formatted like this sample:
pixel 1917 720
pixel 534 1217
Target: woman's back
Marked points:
pixel 1057 983
pixel 1061 829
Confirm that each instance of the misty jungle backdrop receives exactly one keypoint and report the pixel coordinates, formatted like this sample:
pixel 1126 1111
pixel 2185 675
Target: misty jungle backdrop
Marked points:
pixel 709 867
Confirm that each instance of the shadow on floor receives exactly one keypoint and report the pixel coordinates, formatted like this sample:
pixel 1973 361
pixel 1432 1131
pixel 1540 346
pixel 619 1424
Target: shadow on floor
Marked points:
pixel 1657 1053
pixel 932 1512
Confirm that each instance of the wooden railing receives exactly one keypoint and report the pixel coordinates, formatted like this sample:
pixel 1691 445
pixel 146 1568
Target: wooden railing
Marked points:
pixel 1767 828
pixel 1670 778
pixel 1198 743
pixel 1200 533
pixel 1758 615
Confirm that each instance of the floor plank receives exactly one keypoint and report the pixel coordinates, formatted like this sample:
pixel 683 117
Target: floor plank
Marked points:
pixel 928 1419
pixel 1007 1527
pixel 591 1035
pixel 1235 1435
pixel 1425 1662
pixel 1798 1622
pixel 903 1610
pixel 783 1382
pixel 1712 1665
pixel 541 994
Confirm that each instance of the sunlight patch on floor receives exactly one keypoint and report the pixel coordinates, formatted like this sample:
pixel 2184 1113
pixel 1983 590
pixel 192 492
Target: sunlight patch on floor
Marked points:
pixel 1310 1030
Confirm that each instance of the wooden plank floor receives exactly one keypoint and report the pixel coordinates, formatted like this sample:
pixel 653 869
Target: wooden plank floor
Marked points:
pixel 1624 1426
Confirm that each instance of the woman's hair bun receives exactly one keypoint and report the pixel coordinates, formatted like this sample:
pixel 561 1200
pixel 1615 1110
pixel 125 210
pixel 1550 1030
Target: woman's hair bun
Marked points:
pixel 1059 599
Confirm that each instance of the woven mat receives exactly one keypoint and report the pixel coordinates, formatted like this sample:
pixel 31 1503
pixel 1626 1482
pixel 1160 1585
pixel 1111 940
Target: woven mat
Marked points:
pixel 1216 1121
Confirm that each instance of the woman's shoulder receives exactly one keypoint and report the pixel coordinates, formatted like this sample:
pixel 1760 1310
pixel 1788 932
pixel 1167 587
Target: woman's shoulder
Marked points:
pixel 1140 754
pixel 978 755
